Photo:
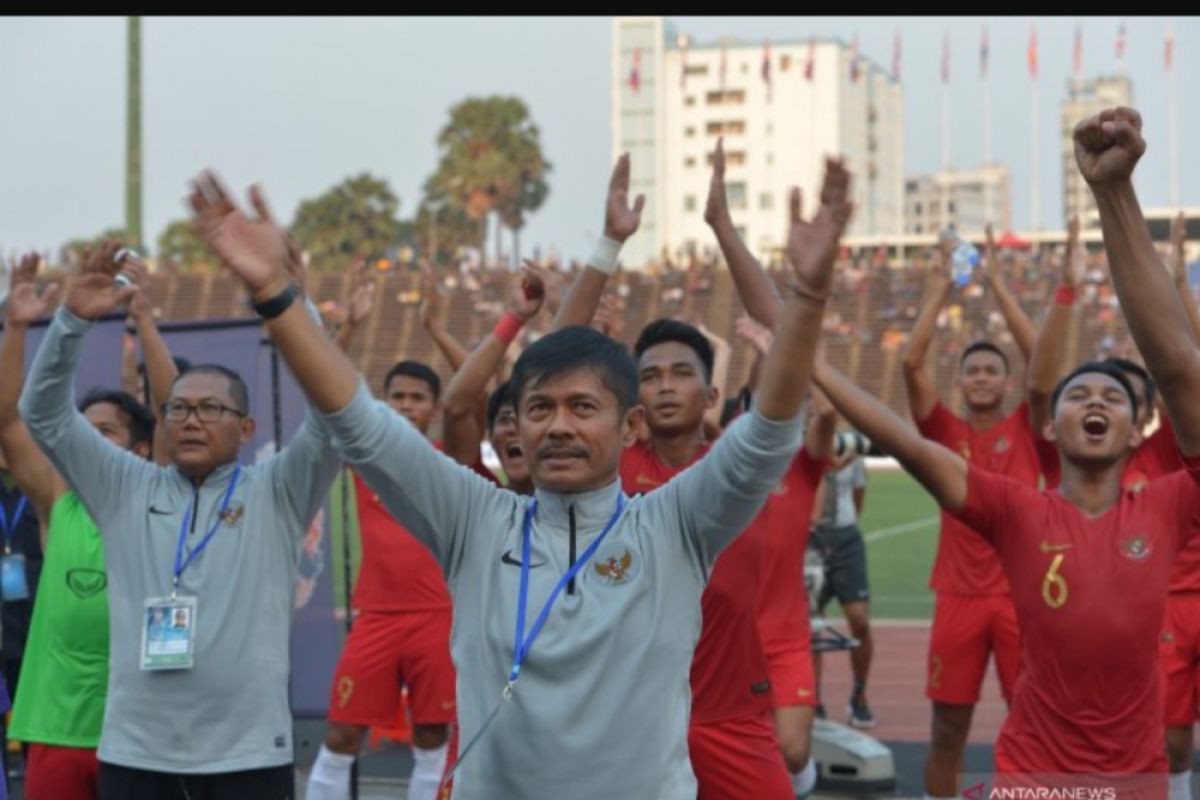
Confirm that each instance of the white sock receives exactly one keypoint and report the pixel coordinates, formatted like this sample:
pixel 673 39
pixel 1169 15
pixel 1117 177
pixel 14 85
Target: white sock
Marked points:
pixel 428 766
pixel 330 776
pixel 1181 786
pixel 804 780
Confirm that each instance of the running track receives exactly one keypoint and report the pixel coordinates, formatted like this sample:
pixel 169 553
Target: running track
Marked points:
pixel 896 686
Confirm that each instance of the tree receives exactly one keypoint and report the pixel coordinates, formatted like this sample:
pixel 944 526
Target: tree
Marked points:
pixel 70 255
pixel 356 218
pixel 490 162
pixel 179 244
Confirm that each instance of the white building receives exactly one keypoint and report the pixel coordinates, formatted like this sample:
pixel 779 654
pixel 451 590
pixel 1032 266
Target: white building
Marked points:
pixel 686 95
pixel 966 199
pixel 1085 98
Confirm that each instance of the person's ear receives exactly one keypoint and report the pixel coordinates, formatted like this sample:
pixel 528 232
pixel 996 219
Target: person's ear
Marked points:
pixel 631 424
pixel 248 429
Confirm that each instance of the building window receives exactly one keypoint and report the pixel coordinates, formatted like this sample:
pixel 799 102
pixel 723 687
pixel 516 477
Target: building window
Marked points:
pixel 696 69
pixel 728 126
pixel 735 193
pixel 766 201
pixel 689 203
pixel 770 159
pixel 690 130
pixel 733 158
pixel 725 97
pixel 785 61
pixel 690 100
pixel 950 207
pixel 917 208
pixel 690 161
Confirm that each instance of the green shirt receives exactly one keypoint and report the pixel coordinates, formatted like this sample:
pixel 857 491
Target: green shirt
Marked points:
pixel 64 677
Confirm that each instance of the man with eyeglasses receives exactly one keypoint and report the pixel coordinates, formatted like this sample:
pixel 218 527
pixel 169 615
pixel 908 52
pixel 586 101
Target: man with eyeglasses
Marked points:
pixel 205 713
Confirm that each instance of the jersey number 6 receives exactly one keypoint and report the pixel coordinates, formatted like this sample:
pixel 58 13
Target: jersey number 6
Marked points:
pixel 1054 586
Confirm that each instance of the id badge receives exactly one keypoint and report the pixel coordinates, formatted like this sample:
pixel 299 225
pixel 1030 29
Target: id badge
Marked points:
pixel 12 577
pixel 169 633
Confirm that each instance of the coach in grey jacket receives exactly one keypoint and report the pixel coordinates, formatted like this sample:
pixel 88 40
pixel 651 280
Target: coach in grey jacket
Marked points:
pixel 229 713
pixel 599 705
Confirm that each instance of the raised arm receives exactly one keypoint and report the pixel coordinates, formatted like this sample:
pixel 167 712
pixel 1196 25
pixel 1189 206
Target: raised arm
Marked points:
pixel 433 321
pixel 441 503
pixel 941 471
pixel 720 495
pixel 1017 320
pixel 818 439
pixel 720 377
pixel 98 470
pixel 620 222
pixel 29 467
pixel 1180 272
pixel 1046 358
pixel 161 371
pixel 919 377
pixel 1107 147
pixel 462 430
pixel 754 286
pixel 362 300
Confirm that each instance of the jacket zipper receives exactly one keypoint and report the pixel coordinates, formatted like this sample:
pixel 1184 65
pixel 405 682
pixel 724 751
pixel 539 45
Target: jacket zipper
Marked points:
pixel 571 562
pixel 195 506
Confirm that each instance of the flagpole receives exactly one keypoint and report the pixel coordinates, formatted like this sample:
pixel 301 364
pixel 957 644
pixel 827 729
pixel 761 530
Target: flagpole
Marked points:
pixel 1173 122
pixel 1034 116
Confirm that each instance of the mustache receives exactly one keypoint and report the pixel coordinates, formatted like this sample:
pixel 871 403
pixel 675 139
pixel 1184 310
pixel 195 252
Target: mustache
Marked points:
pixel 551 450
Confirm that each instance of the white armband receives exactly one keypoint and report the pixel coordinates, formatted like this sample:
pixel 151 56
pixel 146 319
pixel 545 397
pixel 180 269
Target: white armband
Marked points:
pixel 604 257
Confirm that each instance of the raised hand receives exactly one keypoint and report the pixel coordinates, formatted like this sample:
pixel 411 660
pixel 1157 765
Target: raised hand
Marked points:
pixel 95 292
pixel 621 221
pixel 25 305
pixel 717 208
pixel 553 283
pixel 431 299
pixel 812 246
pixel 608 319
pixel 987 265
pixel 526 296
pixel 1072 269
pixel 1108 145
pixel 754 332
pixel 1178 240
pixel 362 298
pixel 255 248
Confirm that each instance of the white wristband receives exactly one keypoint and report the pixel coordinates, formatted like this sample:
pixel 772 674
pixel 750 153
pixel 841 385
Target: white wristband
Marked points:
pixel 604 257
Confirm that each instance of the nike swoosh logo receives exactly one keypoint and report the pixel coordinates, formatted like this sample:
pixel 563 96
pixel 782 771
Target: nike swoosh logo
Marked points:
pixel 1054 548
pixel 508 559
pixel 154 510
pixel 642 480
pixel 803 692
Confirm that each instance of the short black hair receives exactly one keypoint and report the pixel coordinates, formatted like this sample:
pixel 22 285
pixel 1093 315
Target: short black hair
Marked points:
pixel 1134 368
pixel 672 330
pixel 141 421
pixel 986 347
pixel 500 397
pixel 418 370
pixel 1104 368
pixel 237 386
pixel 574 348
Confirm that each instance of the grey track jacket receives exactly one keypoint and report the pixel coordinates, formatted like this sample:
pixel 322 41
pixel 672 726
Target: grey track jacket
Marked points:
pixel 601 708
pixel 231 711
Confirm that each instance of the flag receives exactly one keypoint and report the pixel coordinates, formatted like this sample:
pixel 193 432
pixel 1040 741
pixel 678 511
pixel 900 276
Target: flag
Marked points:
pixel 1077 59
pixel 896 57
pixel 1168 46
pixel 812 59
pixel 854 60
pixel 1121 44
pixel 1032 52
pixel 945 58
pixel 983 54
pixel 766 64
pixel 635 74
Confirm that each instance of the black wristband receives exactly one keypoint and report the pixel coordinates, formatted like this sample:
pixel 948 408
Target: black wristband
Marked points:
pixel 273 307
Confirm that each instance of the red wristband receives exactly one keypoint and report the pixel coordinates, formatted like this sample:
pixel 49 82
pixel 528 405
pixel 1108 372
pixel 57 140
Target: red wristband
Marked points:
pixel 1064 295
pixel 508 327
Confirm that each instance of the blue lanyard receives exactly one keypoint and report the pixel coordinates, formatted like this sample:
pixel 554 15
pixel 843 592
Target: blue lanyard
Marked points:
pixel 180 562
pixel 522 643
pixel 10 527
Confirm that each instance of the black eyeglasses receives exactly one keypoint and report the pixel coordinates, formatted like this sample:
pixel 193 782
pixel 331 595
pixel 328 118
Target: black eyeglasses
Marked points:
pixel 206 411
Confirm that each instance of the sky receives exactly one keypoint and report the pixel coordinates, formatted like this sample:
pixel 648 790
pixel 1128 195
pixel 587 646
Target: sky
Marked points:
pixel 299 104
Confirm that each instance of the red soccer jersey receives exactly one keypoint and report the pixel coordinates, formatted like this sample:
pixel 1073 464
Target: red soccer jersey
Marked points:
pixel 729 673
pixel 1090 596
pixel 396 572
pixel 964 563
pixel 1157 456
pixel 786 522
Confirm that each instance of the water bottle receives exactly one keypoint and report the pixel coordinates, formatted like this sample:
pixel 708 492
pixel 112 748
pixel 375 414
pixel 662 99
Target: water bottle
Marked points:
pixel 963 259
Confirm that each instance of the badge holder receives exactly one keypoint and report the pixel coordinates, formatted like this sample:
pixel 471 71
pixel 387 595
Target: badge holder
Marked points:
pixel 12 577
pixel 169 633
